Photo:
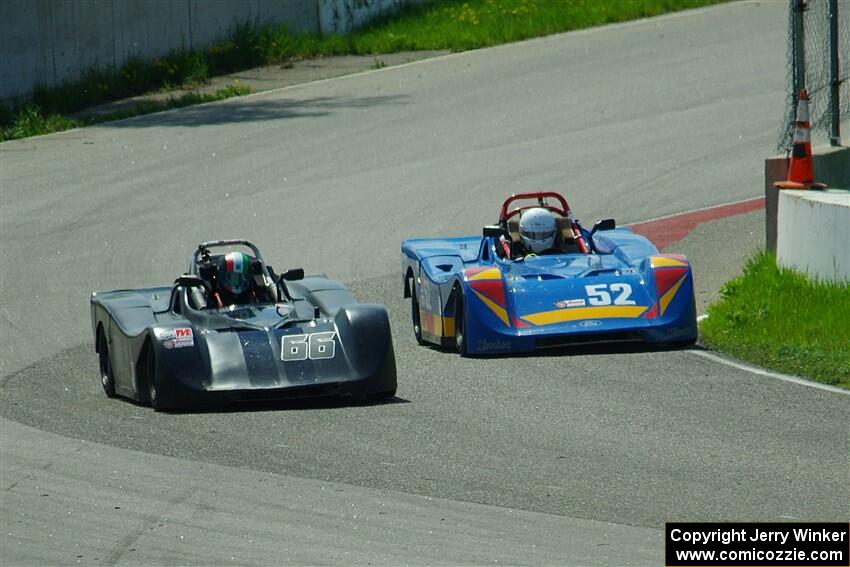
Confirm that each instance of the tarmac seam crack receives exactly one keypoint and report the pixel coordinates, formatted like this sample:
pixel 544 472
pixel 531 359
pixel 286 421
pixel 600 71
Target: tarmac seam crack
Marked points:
pixel 149 522
pixel 30 476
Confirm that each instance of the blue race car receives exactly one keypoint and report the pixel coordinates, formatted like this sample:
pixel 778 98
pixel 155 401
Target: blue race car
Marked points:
pixel 493 294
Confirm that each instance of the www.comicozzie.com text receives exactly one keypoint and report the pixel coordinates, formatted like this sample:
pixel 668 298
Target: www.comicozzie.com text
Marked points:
pixel 726 537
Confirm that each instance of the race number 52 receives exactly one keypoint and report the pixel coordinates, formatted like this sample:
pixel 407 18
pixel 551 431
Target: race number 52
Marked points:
pixel 315 346
pixel 601 294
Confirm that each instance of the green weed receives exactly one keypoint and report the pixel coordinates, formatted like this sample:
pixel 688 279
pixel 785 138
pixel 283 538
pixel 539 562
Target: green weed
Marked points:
pixel 30 121
pixel 471 24
pixel 780 319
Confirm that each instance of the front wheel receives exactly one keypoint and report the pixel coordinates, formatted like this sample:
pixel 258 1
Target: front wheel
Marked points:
pixel 154 398
pixel 684 343
pixel 460 324
pixel 107 378
pixel 414 313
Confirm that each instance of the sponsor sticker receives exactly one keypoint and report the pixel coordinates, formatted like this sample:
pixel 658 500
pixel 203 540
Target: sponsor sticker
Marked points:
pixel 176 338
pixel 571 303
pixel 590 323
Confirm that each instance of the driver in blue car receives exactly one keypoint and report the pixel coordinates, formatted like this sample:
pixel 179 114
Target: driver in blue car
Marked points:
pixel 538 231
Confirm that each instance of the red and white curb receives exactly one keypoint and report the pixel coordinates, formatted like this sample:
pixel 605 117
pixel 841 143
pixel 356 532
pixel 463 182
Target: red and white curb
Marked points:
pixel 666 230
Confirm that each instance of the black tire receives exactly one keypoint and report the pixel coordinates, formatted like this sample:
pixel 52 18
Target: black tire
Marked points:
pixel 414 314
pixel 151 382
pixel 107 378
pixel 383 395
pixel 460 324
pixel 686 343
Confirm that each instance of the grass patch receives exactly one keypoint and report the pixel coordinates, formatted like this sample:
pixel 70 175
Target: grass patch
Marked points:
pixel 32 121
pixel 458 26
pixel 777 318
pixel 443 24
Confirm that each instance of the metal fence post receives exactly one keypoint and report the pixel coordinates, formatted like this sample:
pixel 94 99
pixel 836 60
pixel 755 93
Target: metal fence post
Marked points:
pixel 798 39
pixel 834 81
pixel 798 45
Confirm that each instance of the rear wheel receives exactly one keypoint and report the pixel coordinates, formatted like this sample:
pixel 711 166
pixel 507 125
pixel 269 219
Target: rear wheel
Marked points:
pixel 460 323
pixel 414 313
pixel 107 378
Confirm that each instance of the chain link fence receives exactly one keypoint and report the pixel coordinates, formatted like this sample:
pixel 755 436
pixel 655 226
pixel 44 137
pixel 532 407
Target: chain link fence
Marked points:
pixel 819 60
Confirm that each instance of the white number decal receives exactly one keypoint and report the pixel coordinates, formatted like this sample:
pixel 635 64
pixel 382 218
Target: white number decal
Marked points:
pixel 322 345
pixel 293 347
pixel 597 294
pixel 301 347
pixel 625 293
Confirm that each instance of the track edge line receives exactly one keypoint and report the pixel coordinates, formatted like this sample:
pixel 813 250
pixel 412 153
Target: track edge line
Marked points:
pixel 768 373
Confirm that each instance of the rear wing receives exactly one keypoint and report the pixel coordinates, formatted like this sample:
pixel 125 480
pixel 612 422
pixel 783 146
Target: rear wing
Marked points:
pixel 439 258
pixel 466 247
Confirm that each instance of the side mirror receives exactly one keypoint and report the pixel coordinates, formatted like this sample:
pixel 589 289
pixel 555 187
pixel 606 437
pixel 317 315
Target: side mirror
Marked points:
pixel 292 274
pixel 604 224
pixel 493 231
pixel 190 281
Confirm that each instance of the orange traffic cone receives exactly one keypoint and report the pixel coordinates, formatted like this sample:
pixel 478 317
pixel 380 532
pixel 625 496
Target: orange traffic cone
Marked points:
pixel 801 172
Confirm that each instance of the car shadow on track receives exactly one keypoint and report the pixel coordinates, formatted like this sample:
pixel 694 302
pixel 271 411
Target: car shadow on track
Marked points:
pixel 575 350
pixel 254 109
pixel 294 404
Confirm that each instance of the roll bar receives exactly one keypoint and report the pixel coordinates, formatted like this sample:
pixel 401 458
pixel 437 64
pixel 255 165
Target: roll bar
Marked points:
pixel 540 196
pixel 564 211
pixel 205 247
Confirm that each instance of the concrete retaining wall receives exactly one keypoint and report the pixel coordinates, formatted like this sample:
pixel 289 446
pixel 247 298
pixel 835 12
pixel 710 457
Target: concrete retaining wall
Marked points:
pixel 831 165
pixel 813 233
pixel 344 16
pixel 48 42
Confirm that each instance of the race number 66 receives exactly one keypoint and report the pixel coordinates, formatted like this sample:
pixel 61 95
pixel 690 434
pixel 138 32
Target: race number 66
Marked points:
pixel 315 346
pixel 600 294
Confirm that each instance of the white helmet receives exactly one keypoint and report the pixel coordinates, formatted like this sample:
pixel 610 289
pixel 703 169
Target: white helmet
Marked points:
pixel 537 229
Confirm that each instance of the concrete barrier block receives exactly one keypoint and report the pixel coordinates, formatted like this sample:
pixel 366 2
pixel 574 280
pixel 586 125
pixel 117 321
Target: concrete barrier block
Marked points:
pixel 813 233
pixel 26 59
pixel 832 166
pixel 143 32
pixel 82 38
pixel 299 17
pixel 775 169
pixel 215 19
pixel 345 16
pixel 46 42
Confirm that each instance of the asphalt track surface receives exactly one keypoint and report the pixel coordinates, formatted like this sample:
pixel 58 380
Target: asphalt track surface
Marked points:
pixel 569 457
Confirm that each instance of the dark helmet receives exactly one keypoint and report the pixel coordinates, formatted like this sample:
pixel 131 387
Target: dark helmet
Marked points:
pixel 235 272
